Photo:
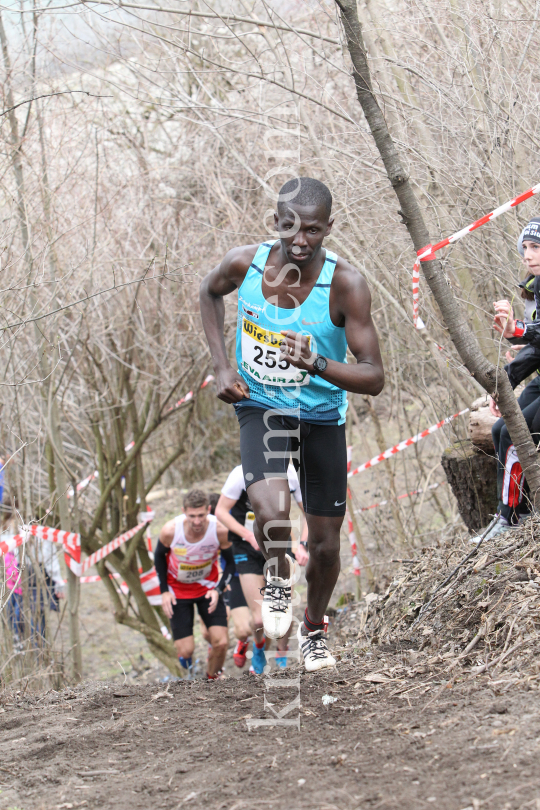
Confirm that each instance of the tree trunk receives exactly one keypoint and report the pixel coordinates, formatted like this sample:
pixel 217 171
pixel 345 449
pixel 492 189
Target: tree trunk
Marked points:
pixel 472 476
pixel 493 380
pixel 481 421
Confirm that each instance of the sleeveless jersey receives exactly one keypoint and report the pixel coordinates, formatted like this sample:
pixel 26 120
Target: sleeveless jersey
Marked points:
pixel 277 384
pixel 192 568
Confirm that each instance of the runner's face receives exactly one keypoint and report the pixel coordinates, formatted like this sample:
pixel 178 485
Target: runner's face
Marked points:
pixel 531 257
pixel 196 518
pixel 307 225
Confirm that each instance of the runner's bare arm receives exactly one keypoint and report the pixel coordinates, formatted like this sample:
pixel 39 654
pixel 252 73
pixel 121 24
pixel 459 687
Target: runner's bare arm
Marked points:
pixel 166 535
pixel 223 514
pixel 223 535
pixel 223 280
pixel 350 301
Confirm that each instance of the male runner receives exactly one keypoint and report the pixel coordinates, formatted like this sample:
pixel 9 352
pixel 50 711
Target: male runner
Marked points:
pixel 299 306
pixel 235 601
pixel 234 511
pixel 186 561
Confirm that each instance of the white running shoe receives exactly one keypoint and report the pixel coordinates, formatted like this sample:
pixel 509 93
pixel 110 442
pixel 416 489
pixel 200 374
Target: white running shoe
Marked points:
pixel 316 653
pixel 276 609
pixel 499 528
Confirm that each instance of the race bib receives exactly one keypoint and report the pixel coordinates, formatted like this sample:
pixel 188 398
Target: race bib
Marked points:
pixel 192 573
pixel 260 357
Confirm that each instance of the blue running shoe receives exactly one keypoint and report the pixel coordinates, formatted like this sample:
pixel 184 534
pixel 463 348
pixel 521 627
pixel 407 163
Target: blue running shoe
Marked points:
pixel 258 661
pixel 281 662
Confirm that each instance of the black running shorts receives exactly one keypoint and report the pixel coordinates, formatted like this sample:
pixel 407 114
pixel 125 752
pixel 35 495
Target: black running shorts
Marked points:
pixel 247 560
pixel 184 615
pixel 234 598
pixel 321 463
pixel 250 561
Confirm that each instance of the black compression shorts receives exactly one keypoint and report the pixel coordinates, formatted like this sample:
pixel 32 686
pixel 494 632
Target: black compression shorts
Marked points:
pixel 184 614
pixel 248 560
pixel 322 461
pixel 234 598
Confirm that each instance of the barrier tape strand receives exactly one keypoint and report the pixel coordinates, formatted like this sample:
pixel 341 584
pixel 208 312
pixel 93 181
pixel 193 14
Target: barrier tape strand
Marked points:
pixel 427 253
pixel 397 448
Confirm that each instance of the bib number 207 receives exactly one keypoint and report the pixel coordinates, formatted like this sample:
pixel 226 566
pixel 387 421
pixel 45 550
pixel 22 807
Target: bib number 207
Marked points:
pixel 269 358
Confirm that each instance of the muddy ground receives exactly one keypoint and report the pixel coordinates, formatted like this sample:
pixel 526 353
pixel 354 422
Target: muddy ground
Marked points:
pixel 409 743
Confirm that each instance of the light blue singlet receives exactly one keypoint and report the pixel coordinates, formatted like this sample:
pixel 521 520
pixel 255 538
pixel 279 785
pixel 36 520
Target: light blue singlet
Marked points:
pixel 275 384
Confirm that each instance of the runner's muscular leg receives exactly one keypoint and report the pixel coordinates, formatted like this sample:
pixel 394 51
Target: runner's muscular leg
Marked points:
pixel 323 567
pixel 251 586
pixel 204 630
pixel 219 639
pixel 241 617
pixel 271 502
pixel 185 646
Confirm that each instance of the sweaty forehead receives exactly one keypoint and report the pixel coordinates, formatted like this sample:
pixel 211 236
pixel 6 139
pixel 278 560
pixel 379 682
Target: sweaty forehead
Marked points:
pixel 308 214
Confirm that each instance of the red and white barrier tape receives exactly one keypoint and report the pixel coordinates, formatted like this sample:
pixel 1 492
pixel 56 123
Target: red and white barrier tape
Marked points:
pixel 189 394
pixel 397 448
pixel 10 545
pixel 149 582
pixel 88 480
pixel 405 495
pixel 110 547
pixel 427 253
pixel 70 541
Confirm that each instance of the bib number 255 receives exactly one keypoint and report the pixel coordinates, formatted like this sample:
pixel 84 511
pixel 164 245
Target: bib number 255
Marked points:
pixel 269 358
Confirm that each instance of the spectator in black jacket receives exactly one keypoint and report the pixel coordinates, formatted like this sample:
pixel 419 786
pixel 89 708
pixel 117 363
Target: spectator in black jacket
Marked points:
pixel 525 335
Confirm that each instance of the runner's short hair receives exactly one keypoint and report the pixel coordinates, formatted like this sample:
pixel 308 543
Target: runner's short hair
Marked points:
pixel 304 191
pixel 195 498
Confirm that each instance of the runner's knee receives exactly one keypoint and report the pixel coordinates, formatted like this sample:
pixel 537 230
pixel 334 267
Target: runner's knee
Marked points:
pixel 184 647
pixel 271 520
pixel 242 629
pixel 325 551
pixel 220 645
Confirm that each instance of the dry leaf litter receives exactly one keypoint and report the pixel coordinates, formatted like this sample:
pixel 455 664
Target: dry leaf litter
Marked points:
pixel 456 609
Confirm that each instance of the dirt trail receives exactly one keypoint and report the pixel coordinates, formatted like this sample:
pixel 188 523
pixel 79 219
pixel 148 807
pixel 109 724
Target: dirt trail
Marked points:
pixel 407 743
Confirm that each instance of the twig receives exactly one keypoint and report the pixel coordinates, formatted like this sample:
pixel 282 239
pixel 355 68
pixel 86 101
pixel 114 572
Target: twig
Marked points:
pixel 49 95
pixel 456 569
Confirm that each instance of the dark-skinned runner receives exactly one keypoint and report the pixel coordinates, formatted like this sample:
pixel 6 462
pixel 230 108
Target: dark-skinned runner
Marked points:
pixel 299 308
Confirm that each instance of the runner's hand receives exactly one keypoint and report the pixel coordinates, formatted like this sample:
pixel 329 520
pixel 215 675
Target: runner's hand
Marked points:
pixel 295 349
pixel 301 555
pixel 230 386
pixel 213 597
pixel 503 321
pixel 249 537
pixel 508 355
pixel 168 599
pixel 493 408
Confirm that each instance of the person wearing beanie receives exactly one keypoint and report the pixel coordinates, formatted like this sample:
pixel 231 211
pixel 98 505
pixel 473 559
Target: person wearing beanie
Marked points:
pixel 512 490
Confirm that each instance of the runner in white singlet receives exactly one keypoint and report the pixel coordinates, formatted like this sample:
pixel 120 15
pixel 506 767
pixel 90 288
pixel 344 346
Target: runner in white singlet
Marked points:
pixel 186 560
pixel 234 511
